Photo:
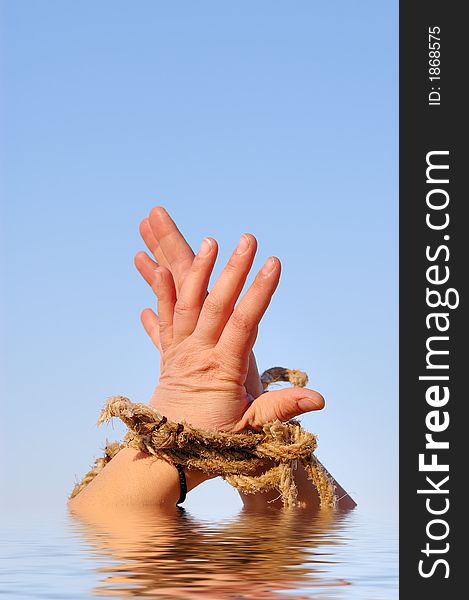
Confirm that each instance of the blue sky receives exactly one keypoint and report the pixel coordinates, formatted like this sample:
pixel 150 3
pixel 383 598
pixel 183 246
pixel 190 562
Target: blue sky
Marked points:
pixel 278 118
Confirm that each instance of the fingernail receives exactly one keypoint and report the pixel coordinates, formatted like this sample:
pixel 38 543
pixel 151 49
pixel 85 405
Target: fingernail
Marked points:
pixel 243 244
pixel 157 212
pixel 205 247
pixel 307 404
pixel 269 266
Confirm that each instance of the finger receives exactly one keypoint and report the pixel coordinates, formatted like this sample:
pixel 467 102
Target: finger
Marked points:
pixel 253 382
pixel 194 290
pixel 166 294
pixel 220 302
pixel 176 250
pixel 151 324
pixel 237 337
pixel 283 405
pixel 146 266
pixel 152 242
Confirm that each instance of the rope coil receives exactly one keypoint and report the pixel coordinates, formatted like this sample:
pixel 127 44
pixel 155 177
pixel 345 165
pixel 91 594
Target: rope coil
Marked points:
pixel 234 456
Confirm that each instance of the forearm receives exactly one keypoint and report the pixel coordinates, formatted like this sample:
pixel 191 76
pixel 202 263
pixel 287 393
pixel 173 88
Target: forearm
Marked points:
pixel 307 494
pixel 133 479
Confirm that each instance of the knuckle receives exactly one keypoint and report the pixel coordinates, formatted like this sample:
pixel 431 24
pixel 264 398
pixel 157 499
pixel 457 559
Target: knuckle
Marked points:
pixel 242 322
pixel 213 307
pixel 164 325
pixel 232 265
pixel 182 308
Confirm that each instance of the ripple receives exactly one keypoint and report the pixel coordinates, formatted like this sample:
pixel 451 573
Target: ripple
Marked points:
pixel 272 555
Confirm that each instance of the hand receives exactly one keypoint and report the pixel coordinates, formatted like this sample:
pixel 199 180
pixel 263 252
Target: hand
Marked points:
pixel 205 343
pixel 170 249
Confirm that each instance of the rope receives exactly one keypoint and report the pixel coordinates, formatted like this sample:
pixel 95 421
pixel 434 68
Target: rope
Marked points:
pixel 234 456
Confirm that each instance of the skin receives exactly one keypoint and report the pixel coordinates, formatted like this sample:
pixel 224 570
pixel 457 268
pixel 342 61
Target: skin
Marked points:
pixel 132 481
pixel 206 338
pixel 171 251
pixel 149 552
pixel 208 373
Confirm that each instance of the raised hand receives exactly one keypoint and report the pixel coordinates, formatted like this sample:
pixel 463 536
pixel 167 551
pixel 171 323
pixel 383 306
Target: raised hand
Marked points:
pixel 170 249
pixel 205 341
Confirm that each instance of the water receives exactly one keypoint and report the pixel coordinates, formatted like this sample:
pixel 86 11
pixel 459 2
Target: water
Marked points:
pixel 272 555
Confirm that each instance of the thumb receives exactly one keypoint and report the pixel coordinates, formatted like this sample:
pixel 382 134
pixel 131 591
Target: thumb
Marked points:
pixel 282 405
pixel 253 382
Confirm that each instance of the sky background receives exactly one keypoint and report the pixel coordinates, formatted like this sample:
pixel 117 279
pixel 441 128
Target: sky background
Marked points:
pixel 278 118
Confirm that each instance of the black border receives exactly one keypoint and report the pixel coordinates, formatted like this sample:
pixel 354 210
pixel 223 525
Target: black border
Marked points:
pixel 424 128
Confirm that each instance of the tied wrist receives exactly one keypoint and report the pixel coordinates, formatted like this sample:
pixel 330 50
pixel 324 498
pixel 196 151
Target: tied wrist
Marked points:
pixel 192 478
pixel 234 456
pixel 201 454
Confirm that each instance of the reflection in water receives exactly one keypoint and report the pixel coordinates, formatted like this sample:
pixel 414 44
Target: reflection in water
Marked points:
pixel 250 556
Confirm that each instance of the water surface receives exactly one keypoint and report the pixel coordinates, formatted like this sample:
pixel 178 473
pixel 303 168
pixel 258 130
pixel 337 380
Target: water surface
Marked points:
pixel 273 555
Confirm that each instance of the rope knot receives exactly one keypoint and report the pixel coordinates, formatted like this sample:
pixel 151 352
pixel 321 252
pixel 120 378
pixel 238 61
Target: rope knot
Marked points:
pixel 234 456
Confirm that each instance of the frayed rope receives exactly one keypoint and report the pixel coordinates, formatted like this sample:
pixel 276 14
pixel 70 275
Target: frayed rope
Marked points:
pixel 233 456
